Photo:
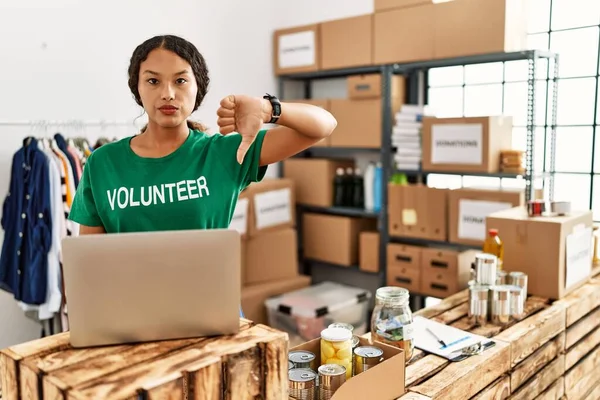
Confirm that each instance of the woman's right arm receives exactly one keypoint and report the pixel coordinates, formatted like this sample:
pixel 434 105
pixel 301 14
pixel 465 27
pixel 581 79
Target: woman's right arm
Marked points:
pixel 91 230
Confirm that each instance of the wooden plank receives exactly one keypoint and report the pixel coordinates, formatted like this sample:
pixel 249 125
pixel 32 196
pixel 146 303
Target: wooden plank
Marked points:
pixel 453 314
pixel 413 396
pixel 594 394
pixel 541 381
pixel 556 391
pixel 447 304
pixel 582 327
pixel 465 379
pixel 583 376
pixel 11 357
pixel 498 390
pixel 424 368
pixel 276 355
pixel 536 362
pixel 243 376
pixel 529 335
pixel 582 348
pixel 581 301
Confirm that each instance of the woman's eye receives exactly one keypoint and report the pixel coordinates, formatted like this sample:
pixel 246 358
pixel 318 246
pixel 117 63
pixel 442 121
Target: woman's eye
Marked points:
pixel 152 81
pixel 181 80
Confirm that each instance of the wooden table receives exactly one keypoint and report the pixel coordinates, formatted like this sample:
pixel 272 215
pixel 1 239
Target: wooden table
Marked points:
pixel 251 364
pixel 552 353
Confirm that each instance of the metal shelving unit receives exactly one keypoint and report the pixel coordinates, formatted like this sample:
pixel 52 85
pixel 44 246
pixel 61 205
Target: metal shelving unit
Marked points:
pixel 416 75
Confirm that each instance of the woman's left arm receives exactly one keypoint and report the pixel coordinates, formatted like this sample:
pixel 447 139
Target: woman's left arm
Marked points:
pixel 299 127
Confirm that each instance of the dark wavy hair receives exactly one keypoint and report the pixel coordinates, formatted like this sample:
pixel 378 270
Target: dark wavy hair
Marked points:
pixel 183 49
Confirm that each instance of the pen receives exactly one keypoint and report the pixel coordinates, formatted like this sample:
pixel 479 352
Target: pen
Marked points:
pixel 440 341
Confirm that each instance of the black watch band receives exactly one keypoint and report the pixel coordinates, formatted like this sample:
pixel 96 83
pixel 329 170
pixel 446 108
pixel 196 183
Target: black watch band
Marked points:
pixel 276 104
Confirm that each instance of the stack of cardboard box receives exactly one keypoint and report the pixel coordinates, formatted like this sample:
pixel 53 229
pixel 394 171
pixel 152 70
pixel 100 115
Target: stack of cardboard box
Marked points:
pixel 401 31
pixel 265 217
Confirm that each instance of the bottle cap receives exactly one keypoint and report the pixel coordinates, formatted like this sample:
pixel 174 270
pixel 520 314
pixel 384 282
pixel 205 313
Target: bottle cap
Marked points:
pixel 493 232
pixel 339 171
pixel 336 334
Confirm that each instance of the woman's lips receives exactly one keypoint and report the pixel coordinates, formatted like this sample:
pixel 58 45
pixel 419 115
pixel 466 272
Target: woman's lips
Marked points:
pixel 168 110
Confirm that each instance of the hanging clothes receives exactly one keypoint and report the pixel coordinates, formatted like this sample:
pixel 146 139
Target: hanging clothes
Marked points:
pixel 27 223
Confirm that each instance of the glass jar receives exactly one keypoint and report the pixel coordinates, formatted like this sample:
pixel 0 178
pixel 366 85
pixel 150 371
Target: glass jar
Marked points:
pixel 336 348
pixel 392 319
pixel 350 327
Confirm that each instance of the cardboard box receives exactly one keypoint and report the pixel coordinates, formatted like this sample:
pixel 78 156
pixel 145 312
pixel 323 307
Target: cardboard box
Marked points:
pixel 403 35
pixel 239 221
pixel 465 144
pixel 470 206
pixel 324 104
pixel 386 380
pixel 467 27
pixel 333 239
pixel 369 252
pixel 359 122
pixel 347 42
pixel 555 252
pixel 313 179
pixel 404 266
pixel 445 272
pixel 297 49
pixel 369 87
pixel 418 211
pixel 271 256
pixel 383 5
pixel 254 296
pixel 271 206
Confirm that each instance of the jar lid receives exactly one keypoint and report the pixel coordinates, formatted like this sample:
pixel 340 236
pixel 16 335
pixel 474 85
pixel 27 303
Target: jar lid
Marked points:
pixel 336 334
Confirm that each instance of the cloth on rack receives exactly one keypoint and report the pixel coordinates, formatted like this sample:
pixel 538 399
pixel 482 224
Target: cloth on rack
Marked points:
pixel 27 223
pixel 62 145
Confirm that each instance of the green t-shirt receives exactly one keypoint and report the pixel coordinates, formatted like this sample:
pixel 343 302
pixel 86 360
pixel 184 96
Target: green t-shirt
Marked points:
pixel 195 187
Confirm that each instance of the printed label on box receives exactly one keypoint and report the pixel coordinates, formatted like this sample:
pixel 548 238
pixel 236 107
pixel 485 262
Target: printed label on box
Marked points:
pixel 457 144
pixel 297 50
pixel 273 208
pixel 239 222
pixel 472 214
pixel 579 256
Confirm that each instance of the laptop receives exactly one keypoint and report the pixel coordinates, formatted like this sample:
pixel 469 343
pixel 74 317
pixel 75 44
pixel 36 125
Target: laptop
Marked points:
pixel 141 287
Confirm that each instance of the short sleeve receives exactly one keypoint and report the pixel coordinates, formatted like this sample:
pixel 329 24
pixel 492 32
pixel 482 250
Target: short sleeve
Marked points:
pixel 83 209
pixel 250 170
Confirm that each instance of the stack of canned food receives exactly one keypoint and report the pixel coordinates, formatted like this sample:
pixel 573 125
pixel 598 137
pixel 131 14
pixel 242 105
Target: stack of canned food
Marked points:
pixel 341 358
pixel 494 295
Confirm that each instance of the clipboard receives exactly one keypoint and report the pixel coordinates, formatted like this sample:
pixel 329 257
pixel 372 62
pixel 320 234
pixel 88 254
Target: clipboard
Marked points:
pixel 446 341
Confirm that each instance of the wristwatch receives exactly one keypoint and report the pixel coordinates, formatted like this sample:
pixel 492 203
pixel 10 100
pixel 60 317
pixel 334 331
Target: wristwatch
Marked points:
pixel 276 105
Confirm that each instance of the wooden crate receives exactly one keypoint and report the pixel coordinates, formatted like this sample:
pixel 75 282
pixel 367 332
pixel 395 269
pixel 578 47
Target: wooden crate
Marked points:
pixel 251 364
pixel 553 352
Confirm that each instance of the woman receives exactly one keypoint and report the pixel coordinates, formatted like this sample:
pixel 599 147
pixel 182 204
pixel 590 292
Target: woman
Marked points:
pixel 173 175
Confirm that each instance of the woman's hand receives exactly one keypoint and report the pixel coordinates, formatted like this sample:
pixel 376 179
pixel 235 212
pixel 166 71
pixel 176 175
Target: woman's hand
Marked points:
pixel 245 115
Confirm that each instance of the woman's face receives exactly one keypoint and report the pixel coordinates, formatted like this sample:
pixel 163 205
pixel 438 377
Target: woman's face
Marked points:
pixel 167 88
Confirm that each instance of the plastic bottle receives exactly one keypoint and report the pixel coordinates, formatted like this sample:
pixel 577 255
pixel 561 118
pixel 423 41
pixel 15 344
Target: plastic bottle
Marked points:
pixel 358 192
pixel 377 188
pixel 368 185
pixel 338 188
pixel 493 245
pixel 349 187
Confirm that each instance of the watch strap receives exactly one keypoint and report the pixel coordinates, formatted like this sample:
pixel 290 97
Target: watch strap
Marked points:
pixel 276 106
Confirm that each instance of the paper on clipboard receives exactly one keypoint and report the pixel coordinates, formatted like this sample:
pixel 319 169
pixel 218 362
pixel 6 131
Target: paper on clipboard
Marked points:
pixel 455 339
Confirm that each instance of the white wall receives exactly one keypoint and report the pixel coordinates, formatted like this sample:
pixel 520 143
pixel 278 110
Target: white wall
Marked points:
pixel 67 60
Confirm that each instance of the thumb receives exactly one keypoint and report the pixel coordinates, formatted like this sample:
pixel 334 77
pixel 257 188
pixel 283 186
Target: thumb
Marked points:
pixel 243 148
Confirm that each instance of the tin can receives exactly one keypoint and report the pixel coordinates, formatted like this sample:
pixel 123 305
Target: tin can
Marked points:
pixel 500 304
pixel 366 357
pixel 501 278
pixel 303 359
pixel 536 208
pixel 302 384
pixel 517 302
pixel 291 365
pixel 479 304
pixel 331 377
pixel 519 279
pixel 486 266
